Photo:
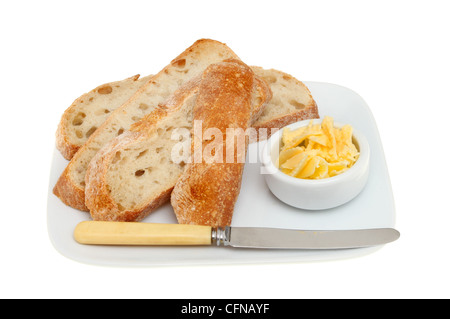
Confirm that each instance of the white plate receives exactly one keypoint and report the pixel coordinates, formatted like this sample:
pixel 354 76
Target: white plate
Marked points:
pixel 256 206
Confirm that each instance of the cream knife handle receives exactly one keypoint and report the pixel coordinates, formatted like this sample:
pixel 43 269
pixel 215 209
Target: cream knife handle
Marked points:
pixel 133 233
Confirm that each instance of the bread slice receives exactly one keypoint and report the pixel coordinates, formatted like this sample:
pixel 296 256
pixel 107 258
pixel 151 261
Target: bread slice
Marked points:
pixel 206 192
pixel 291 102
pixel 135 172
pixel 90 110
pixel 192 62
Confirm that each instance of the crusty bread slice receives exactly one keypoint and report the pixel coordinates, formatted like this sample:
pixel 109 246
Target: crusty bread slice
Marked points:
pixel 70 187
pixel 291 102
pixel 90 110
pixel 135 172
pixel 206 192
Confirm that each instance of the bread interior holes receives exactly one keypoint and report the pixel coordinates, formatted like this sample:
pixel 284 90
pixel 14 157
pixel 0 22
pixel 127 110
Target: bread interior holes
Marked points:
pixel 297 105
pixel 167 131
pixel 271 79
pixel 91 130
pixel 78 120
pixel 141 154
pixel 102 111
pixel 139 173
pixel 179 63
pixel 105 89
pixel 143 107
pixel 116 157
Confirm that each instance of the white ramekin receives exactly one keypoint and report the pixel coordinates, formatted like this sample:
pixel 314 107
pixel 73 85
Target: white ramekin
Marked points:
pixel 315 194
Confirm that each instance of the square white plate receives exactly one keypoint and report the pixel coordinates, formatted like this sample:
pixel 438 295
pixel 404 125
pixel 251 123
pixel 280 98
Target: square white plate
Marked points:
pixel 256 206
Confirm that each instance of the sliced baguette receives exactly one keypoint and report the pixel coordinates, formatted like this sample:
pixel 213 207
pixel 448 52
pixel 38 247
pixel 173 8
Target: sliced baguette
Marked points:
pixel 90 110
pixel 135 172
pixel 292 102
pixel 206 192
pixel 70 187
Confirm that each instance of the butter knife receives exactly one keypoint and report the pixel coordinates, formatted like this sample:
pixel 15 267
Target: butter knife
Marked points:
pixel 134 233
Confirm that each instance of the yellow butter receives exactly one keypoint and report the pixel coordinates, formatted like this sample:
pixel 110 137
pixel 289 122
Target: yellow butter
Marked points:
pixel 317 151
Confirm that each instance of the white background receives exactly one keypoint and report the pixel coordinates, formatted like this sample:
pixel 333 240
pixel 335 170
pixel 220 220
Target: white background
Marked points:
pixel 395 54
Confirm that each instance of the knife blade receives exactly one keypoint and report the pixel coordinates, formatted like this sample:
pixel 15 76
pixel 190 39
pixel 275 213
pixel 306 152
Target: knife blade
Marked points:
pixel 136 233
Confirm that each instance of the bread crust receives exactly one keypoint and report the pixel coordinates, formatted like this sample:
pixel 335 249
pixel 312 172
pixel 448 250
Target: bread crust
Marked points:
pixel 68 191
pixel 206 193
pixel 310 112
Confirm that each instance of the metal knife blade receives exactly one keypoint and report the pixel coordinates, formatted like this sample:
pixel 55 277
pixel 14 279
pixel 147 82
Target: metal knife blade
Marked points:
pixel 274 238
